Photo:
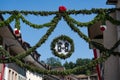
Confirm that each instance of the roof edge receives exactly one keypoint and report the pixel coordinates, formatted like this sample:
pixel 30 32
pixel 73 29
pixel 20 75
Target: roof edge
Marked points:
pixel 111 2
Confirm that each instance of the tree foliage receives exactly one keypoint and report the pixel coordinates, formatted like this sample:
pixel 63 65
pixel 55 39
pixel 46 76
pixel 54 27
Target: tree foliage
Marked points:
pixel 79 62
pixel 52 61
pixel 69 65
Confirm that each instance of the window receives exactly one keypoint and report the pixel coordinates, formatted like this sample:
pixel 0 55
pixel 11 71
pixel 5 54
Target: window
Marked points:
pixel 12 76
pixel 15 76
pixel 9 75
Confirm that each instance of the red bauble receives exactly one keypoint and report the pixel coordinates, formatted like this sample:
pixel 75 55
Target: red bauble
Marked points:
pixel 16 31
pixel 103 27
pixel 62 9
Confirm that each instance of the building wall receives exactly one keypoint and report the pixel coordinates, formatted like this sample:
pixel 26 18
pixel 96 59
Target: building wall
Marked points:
pixel 21 77
pixel 13 74
pixel 6 72
pixel 18 69
pixel 111 66
pixel 33 76
pixel 118 29
pixel 13 45
pixel 1 65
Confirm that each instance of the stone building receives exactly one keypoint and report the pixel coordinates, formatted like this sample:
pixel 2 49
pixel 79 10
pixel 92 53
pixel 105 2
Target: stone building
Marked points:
pixel 10 71
pixel 110 69
pixel 14 44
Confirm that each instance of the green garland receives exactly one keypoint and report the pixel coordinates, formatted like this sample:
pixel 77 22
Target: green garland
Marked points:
pixel 102 15
pixel 106 55
pixel 17 15
pixel 69 12
pixel 86 24
pixel 42 40
pixel 17 22
pixel 75 29
pixel 66 38
pixel 65 72
pixel 42 13
pixel 4 56
pixel 35 25
pixel 7 22
pixel 113 21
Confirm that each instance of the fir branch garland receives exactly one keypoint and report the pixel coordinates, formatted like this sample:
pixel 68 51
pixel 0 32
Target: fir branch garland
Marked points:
pixel 91 64
pixel 115 45
pixel 4 56
pixel 102 15
pixel 64 38
pixel 98 46
pixel 88 12
pixel 75 29
pixel 41 13
pixel 115 53
pixel 42 40
pixel 3 52
pixel 36 25
pixel 47 13
pixel 8 60
pixel 6 22
pixel 86 24
pixel 113 21
pixel 103 49
pixel 17 21
pixel 65 72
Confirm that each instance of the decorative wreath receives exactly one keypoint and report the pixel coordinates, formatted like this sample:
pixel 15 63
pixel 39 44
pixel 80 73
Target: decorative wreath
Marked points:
pixel 18 16
pixel 66 40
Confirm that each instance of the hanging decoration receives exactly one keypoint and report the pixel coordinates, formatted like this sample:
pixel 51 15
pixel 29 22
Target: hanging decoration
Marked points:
pixel 62 9
pixel 62 47
pixel 103 27
pixel 61 51
pixel 16 31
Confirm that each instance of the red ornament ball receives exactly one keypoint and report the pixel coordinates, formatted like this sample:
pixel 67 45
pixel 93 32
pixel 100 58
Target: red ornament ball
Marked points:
pixel 16 31
pixel 103 27
pixel 62 9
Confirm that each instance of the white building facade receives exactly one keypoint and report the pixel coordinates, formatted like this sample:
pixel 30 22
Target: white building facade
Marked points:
pixel 33 76
pixel 13 45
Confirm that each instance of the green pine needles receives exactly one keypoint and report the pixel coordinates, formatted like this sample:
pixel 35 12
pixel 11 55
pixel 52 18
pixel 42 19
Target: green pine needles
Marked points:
pixel 102 15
